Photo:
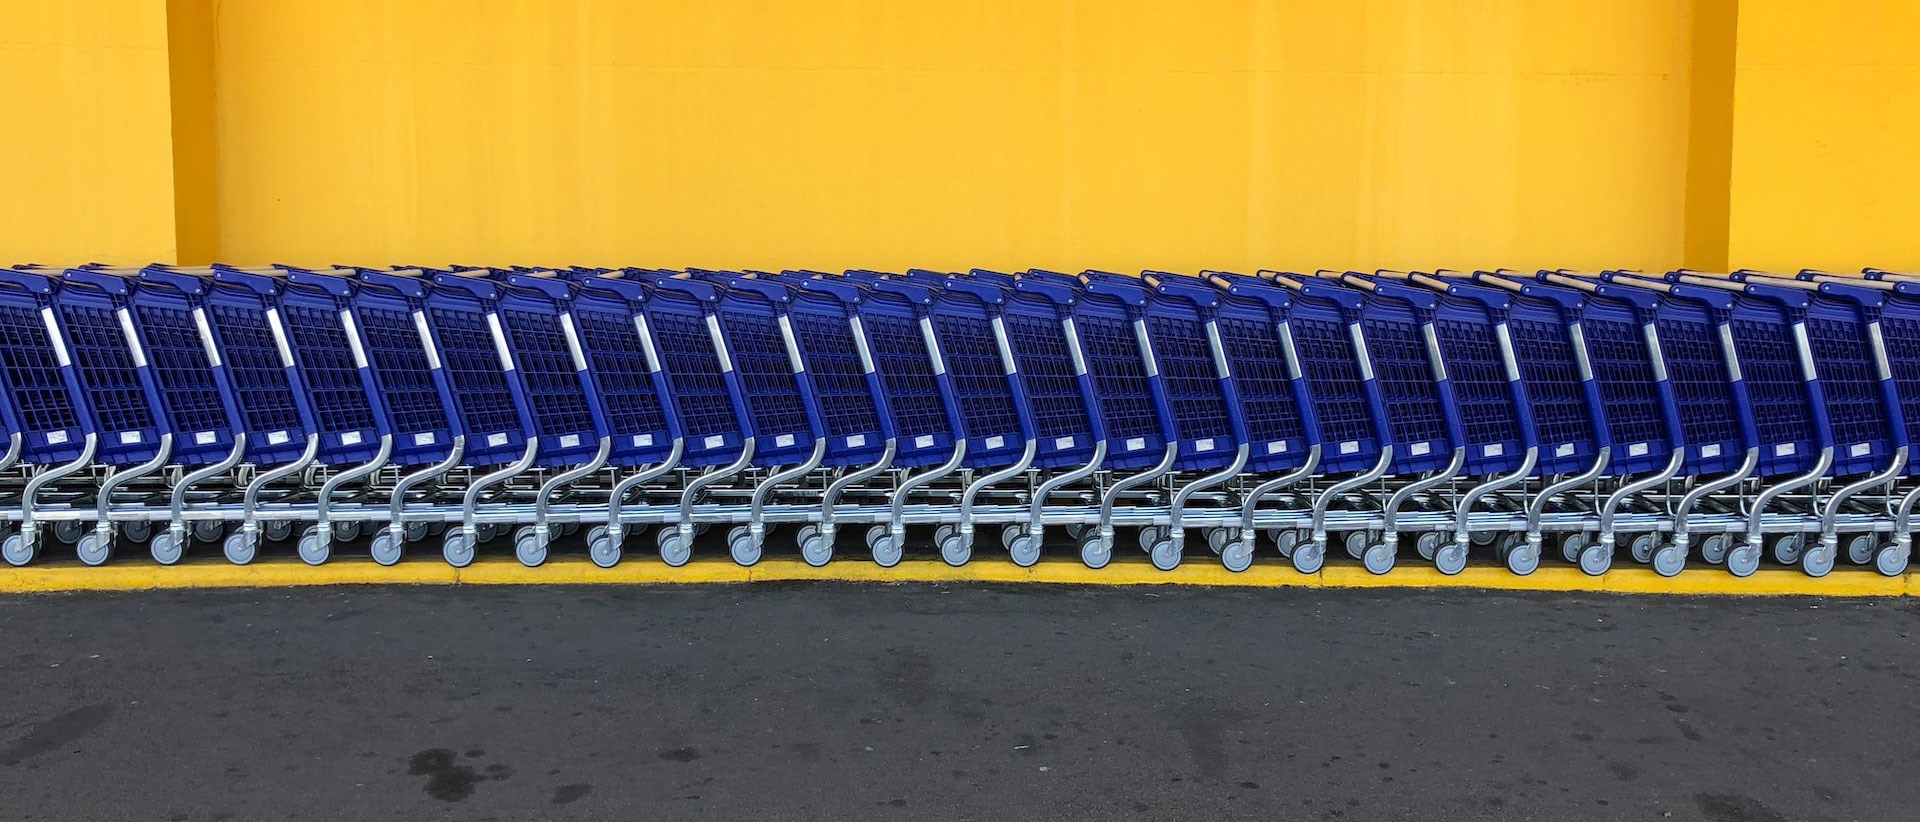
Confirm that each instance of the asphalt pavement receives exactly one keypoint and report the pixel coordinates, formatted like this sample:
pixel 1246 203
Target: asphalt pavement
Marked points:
pixel 925 702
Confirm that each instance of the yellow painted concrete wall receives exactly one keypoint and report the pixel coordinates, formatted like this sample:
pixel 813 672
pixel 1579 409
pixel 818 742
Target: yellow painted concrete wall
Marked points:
pixel 1826 156
pixel 85 158
pixel 1008 133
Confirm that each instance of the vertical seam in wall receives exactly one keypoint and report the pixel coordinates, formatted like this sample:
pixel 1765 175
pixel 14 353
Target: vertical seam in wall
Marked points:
pixel 1709 182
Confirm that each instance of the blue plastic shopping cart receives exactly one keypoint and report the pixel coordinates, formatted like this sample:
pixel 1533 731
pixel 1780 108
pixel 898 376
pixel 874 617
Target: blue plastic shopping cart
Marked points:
pixel 45 410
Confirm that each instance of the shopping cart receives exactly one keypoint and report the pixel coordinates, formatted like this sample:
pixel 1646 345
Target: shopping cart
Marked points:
pixel 1900 332
pixel 44 411
pixel 1070 439
pixel 1110 316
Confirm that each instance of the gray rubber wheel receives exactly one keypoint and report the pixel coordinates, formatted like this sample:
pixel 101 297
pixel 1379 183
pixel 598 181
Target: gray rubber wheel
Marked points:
pixel 68 531
pixel 1571 546
pixel 1595 559
pixel 1817 561
pixel 168 547
pixel 568 529
pixel 1743 560
pixel 674 551
pixel 1787 548
pixel 1379 558
pixel 1427 545
pixel 458 546
pixel 1641 546
pixel 1523 558
pixel 1450 558
pixel 1236 555
pixel 814 549
pixel 1356 543
pixel 94 547
pixel 387 549
pixel 208 530
pixel 139 530
pixel 1148 536
pixel 1219 538
pixel 1076 530
pixel 1094 553
pixel 887 551
pixel 347 531
pixel 277 530
pixel 416 531
pixel 1669 560
pixel 241 547
pixel 941 533
pixel 529 548
pixel 1009 534
pixel 17 550
pixel 745 549
pixel 1308 557
pixel 601 548
pixel 956 548
pixel 1025 550
pixel 1892 560
pixel 1165 554
pixel 315 548
pixel 1713 549
pixel 1286 541
pixel 1859 548
pixel 1482 539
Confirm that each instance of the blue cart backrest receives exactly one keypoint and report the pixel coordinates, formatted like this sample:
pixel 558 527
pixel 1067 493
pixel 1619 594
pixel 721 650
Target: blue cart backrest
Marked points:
pixel 488 400
pixel 422 414
pixel 838 368
pixel 42 395
pixel 923 414
pixel 170 318
pixel 1471 328
pixel 1105 318
pixel 1324 321
pixel 1569 415
pixel 326 344
pixel 244 316
pixel 92 307
pixel 631 386
pixel 982 377
pixel 679 315
pixel 778 399
pixel 1767 336
pixel 1257 340
pixel 1711 408
pixel 1410 373
pixel 1052 373
pixel 536 320
pixel 1203 404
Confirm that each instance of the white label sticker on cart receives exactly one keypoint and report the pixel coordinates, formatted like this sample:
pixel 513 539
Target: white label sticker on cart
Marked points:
pixel 130 437
pixel 1563 450
pixel 1136 443
pixel 1860 450
pixel 1349 447
pixel 277 438
pixel 1062 442
pixel 569 440
pixel 1710 450
pixel 856 441
pixel 1203 445
pixel 1784 449
pixel 642 440
pixel 1277 447
pixel 783 441
pixel 56 438
pixel 1639 449
pixel 995 442
pixel 715 441
pixel 496 440
pixel 205 437
pixel 350 438
pixel 423 439
pixel 1494 450
pixel 925 441
pixel 1418 449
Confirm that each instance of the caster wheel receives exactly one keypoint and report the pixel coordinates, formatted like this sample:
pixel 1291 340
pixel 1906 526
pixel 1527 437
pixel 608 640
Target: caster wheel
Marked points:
pixel 1450 558
pixel 347 531
pixel 1713 549
pixel 433 529
pixel 941 533
pixel 387 548
pixel 1506 544
pixel 459 546
pixel 1094 553
pixel 1891 560
pixel 1522 558
pixel 1076 531
pixel 1595 559
pixel 601 548
pixel 276 530
pixel 1219 538
pixel 94 547
pixel 314 546
pixel 1166 555
pixel 529 548
pixel 1743 560
pixel 17 550
pixel 701 528
pixel 1428 545
pixel 1378 559
pixel 741 544
pixel 1482 539
pixel 208 530
pixel 167 547
pixel 1309 558
pixel 1817 561
pixel 138 530
pixel 887 551
pixel 1571 546
pixel 68 531
pixel 1641 546
pixel 1025 550
pixel 241 547
pixel 1287 541
pixel 1860 549
pixel 674 551
pixel 568 529
pixel 1356 543
pixel 1669 560
pixel 956 548
pixel 1788 547
pixel 1236 555
pixel 1009 534
pixel 814 548
pixel 415 531
pixel 1148 536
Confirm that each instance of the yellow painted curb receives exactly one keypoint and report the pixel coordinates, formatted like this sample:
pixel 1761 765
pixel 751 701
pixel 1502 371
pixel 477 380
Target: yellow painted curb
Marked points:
pixel 285 572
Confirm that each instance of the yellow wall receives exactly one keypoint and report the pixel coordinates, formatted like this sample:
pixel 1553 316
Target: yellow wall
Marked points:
pixel 85 157
pixel 1006 133
pixel 1827 135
